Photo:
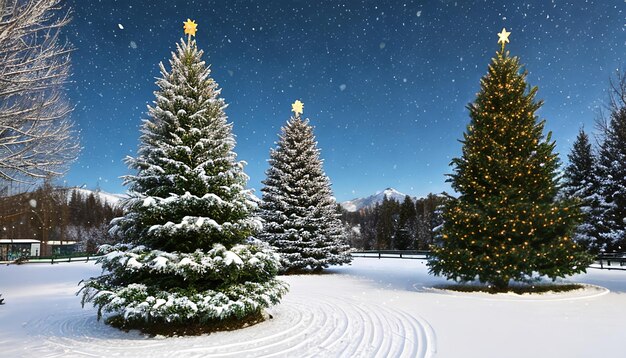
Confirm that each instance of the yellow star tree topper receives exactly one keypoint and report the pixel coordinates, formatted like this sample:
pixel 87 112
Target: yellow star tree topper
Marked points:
pixel 503 37
pixel 190 27
pixel 297 107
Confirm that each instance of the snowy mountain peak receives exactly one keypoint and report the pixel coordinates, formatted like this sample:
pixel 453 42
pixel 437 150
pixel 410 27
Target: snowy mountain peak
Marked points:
pixel 370 201
pixel 390 193
pixel 111 199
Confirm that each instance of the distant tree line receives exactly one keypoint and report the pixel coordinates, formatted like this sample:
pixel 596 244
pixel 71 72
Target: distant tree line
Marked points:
pixel 62 214
pixel 392 225
pixel 89 220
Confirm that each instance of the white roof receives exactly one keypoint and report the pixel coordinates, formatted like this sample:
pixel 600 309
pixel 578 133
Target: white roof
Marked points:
pixel 64 242
pixel 19 241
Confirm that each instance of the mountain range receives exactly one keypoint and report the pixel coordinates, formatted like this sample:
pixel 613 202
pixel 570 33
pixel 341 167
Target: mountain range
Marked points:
pixel 370 201
pixel 111 199
pixel 350 205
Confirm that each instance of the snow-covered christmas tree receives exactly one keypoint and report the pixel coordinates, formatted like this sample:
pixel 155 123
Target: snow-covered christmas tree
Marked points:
pixel 300 213
pixel 190 258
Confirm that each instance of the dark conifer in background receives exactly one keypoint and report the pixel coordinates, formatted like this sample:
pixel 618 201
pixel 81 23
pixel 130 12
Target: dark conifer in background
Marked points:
pixel 580 181
pixel 406 231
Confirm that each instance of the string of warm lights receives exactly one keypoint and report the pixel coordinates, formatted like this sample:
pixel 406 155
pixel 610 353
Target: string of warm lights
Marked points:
pixel 507 223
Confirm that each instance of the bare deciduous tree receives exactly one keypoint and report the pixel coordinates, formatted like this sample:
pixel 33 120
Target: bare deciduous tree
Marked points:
pixel 37 139
pixel 617 93
pixel 616 102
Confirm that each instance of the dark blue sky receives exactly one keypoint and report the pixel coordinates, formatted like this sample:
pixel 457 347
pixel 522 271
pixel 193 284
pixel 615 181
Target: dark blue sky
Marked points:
pixel 385 83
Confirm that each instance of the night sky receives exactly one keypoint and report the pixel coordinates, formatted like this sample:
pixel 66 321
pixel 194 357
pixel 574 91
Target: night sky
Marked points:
pixel 385 83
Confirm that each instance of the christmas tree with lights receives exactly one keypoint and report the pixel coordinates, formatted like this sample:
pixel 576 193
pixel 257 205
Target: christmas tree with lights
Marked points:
pixel 299 210
pixel 507 223
pixel 191 261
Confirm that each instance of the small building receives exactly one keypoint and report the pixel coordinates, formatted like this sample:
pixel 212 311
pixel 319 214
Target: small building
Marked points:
pixel 12 249
pixel 62 247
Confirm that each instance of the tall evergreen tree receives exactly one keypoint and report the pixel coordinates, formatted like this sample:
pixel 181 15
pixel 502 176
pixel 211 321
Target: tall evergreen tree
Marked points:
pixel 298 206
pixel 612 173
pixel 387 222
pixel 189 213
pixel 428 219
pixel 406 231
pixel 371 218
pixel 580 181
pixel 507 223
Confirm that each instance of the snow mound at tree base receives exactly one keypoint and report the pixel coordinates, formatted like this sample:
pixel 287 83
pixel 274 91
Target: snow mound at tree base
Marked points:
pixel 540 292
pixel 188 328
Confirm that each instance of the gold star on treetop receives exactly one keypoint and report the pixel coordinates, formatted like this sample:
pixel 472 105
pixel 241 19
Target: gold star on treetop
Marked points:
pixel 190 27
pixel 504 37
pixel 297 107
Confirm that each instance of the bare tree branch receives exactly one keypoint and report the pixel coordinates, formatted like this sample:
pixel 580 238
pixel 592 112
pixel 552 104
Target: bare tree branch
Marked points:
pixel 618 91
pixel 616 102
pixel 37 138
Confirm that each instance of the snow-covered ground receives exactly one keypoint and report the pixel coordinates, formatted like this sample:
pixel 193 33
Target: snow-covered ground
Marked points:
pixel 374 308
